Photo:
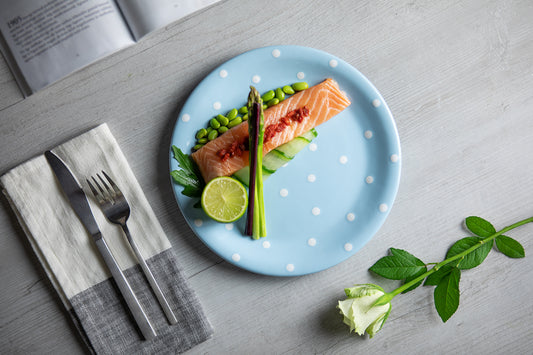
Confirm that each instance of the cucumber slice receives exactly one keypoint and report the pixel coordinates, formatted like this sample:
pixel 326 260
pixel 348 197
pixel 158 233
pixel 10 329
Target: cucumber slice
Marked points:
pixel 278 157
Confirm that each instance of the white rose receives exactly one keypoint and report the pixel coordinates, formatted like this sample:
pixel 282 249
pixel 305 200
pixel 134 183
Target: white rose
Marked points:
pixel 359 311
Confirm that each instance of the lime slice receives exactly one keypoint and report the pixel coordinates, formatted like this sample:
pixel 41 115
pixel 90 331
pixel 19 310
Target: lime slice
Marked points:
pixel 224 199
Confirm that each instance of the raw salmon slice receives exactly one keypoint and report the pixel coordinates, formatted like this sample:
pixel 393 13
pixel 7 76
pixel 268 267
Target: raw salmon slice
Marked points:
pixel 315 106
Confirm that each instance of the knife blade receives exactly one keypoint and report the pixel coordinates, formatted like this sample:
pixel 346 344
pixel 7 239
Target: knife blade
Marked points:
pixel 80 205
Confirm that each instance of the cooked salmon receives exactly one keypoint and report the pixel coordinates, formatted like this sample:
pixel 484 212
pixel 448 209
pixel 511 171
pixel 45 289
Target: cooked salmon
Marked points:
pixel 290 118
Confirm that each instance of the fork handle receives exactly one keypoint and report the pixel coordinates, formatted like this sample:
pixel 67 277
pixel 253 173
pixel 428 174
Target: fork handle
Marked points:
pixel 133 303
pixel 150 277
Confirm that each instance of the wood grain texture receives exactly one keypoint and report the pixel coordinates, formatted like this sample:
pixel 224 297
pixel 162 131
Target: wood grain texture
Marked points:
pixel 458 78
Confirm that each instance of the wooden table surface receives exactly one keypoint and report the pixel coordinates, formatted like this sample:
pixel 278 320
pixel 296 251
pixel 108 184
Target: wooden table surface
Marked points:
pixel 458 78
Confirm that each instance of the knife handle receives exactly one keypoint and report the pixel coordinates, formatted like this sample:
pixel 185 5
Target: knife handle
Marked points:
pixel 133 303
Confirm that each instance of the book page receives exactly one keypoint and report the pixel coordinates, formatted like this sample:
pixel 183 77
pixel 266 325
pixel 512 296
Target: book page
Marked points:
pixel 50 39
pixel 144 16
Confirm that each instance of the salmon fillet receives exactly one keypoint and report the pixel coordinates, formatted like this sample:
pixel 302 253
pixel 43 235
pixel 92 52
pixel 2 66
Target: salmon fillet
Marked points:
pixel 322 101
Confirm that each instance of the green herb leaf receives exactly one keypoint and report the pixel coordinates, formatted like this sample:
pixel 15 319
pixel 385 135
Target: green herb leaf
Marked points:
pixel 479 226
pixel 446 294
pixel 434 279
pixel 189 176
pixel 411 278
pixel 398 266
pixel 473 258
pixel 510 247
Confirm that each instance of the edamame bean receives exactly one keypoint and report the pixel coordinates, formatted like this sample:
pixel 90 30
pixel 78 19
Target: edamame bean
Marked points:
pixel 223 120
pixel 212 135
pixel 203 140
pixel 198 146
pixel 209 129
pixel 273 102
pixel 300 86
pixel 214 123
pixel 223 129
pixel 232 114
pixel 288 90
pixel 280 95
pixel 234 122
pixel 245 117
pixel 265 106
pixel 202 132
pixel 243 110
pixel 269 95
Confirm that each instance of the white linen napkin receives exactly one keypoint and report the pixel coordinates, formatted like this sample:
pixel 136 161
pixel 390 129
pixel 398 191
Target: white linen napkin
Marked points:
pixel 74 266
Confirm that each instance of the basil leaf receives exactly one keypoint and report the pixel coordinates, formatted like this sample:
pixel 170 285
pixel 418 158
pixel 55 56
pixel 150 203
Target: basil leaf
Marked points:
pixel 473 258
pixel 479 226
pixel 398 266
pixel 510 247
pixel 446 295
pixel 434 279
pixel 189 176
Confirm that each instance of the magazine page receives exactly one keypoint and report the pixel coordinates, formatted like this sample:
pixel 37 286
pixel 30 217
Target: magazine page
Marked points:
pixel 47 40
pixel 145 16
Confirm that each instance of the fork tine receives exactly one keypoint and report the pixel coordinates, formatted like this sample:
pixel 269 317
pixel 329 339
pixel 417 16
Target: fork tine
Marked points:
pixel 95 192
pixel 109 190
pixel 112 183
pixel 105 195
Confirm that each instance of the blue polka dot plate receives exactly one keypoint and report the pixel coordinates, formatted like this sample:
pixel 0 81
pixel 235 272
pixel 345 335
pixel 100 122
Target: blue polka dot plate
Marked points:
pixel 324 205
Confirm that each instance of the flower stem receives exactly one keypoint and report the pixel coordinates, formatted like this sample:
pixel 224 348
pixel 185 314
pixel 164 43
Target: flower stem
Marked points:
pixel 386 298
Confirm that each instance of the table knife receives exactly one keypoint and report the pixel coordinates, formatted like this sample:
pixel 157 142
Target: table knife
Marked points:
pixel 79 203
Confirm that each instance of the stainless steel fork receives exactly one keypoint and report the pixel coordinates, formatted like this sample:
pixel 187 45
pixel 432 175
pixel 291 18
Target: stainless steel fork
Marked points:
pixel 117 210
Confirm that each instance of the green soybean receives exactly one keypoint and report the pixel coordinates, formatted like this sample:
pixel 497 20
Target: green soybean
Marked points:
pixel 287 89
pixel 245 117
pixel 202 132
pixel 232 114
pixel 223 120
pixel 214 123
pixel 269 95
pixel 243 110
pixel 203 140
pixel 223 129
pixel 209 129
pixel 265 106
pixel 280 95
pixel 198 146
pixel 236 121
pixel 273 102
pixel 300 86
pixel 212 135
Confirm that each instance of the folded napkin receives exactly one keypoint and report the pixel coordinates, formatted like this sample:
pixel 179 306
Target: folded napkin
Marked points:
pixel 76 269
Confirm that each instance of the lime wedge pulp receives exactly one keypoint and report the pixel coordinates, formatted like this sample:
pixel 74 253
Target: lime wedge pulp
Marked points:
pixel 224 199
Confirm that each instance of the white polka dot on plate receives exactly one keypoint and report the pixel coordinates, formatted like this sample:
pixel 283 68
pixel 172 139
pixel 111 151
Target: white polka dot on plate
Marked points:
pixel 376 103
pixel 343 159
pixel 350 217
pixel 383 207
pixel 315 211
pixel 333 63
pixel 283 192
pixel 217 105
pixel 300 75
pixel 266 244
pixel 235 257
pixel 223 73
pixel 229 226
pixel 311 242
pixel 368 134
pixel 369 179
pixel 290 267
pixel 313 147
pixel 276 53
pixel 198 222
pixel 394 158
pixel 256 79
pixel 186 117
pixel 311 178
pixel 348 247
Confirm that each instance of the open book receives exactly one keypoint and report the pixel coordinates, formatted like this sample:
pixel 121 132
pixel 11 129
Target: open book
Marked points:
pixel 45 40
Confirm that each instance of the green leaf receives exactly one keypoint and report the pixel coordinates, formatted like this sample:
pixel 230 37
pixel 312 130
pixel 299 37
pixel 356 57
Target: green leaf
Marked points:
pixel 479 226
pixel 434 279
pixel 409 279
pixel 189 176
pixel 446 294
pixel 510 247
pixel 473 258
pixel 398 266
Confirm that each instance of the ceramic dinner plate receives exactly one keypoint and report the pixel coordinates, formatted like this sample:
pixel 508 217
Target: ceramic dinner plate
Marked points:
pixel 325 204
